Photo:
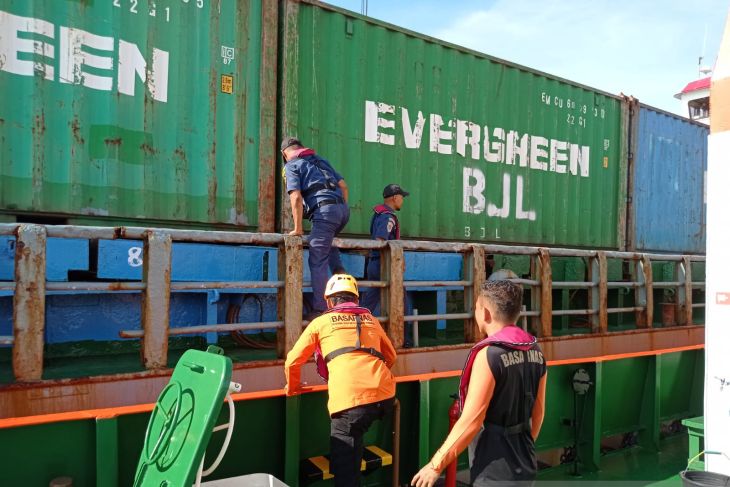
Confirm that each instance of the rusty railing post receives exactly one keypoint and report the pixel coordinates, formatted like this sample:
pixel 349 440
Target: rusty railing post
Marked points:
pixel 156 271
pixel 687 315
pixel 475 270
pixel 29 302
pixel 396 309
pixel 683 274
pixel 289 300
pixel 545 271
pixel 644 293
pixel 599 292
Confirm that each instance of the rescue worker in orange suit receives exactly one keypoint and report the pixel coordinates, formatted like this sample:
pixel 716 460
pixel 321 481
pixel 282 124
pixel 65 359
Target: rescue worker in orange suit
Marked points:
pixel 355 356
pixel 502 390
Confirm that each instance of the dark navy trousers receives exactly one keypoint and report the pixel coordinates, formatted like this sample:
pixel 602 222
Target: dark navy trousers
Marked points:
pixel 327 222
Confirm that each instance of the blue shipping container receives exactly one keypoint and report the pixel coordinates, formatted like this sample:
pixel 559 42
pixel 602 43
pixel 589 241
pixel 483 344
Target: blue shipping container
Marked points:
pixel 670 167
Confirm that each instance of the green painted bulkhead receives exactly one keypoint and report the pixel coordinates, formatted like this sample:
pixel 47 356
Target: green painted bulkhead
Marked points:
pixel 630 410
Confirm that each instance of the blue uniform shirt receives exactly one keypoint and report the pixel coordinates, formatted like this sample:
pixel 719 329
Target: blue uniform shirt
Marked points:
pixel 383 225
pixel 303 175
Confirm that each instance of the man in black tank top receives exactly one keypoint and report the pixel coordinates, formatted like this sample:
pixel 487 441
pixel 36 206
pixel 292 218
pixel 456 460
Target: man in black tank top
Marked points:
pixel 502 390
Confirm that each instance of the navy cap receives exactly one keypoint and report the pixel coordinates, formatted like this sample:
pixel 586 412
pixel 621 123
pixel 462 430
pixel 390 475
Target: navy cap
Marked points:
pixel 394 189
pixel 289 141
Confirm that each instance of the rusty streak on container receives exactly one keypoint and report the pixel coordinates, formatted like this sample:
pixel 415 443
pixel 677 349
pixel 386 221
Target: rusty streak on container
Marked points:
pixel 156 299
pixel 624 194
pixel 29 302
pixel 288 113
pixel 289 298
pixel 267 124
pixel 546 293
pixel 396 269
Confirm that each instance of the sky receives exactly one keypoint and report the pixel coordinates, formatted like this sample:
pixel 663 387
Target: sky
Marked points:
pixel 647 49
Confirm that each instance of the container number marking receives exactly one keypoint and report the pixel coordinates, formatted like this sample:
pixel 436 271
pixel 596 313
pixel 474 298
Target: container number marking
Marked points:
pixel 134 4
pixel 134 256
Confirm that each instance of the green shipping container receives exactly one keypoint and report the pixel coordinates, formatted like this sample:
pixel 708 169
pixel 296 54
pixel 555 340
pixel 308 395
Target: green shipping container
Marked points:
pixel 139 109
pixel 490 151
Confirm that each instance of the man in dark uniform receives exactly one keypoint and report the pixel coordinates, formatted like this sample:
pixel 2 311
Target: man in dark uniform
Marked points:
pixel 317 192
pixel 384 225
pixel 502 390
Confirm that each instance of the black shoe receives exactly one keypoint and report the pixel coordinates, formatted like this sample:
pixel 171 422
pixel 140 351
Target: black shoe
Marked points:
pixel 339 270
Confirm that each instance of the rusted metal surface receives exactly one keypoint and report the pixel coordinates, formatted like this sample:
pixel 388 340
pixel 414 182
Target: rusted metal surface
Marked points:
pixel 667 284
pixel 48 397
pixel 359 244
pixel 290 297
pixel 628 309
pixel 645 319
pixel 574 284
pixel 574 312
pixel 624 192
pixel 436 283
pixel 290 99
pixel 95 286
pixel 396 269
pixel 180 286
pixel 475 267
pixel 632 143
pixel 190 330
pixel 267 123
pixel 243 238
pixel 602 265
pixel 687 305
pixel 378 284
pixel 546 293
pixel 290 284
pixel 594 293
pixel 29 302
pixel 138 233
pixel 156 299
pixel 422 245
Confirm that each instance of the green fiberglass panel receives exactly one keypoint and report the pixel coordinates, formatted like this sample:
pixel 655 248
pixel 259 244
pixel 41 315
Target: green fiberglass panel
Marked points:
pixel 135 109
pixel 489 151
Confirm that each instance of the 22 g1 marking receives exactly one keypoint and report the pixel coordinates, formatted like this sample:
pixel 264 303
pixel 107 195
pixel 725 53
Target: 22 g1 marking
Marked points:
pixel 134 7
